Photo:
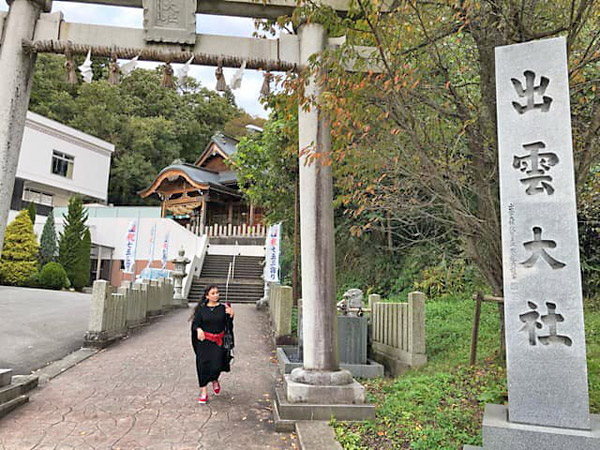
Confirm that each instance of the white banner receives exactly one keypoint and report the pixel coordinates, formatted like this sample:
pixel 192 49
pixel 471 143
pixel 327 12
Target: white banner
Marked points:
pixel 273 246
pixel 165 251
pixel 130 247
pixel 152 242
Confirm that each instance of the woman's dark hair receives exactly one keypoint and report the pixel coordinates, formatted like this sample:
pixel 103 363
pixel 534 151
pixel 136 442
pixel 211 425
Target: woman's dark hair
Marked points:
pixel 203 300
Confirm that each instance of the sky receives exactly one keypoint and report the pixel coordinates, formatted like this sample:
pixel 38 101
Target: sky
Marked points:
pixel 246 96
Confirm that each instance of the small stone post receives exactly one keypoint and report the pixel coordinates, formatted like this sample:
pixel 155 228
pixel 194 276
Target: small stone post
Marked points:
pixel 178 274
pixel 372 299
pixel 416 323
pixel 282 320
pixel 100 328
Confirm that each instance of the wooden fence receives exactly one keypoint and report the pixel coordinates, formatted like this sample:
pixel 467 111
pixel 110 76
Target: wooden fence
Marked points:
pixel 398 332
pixel 241 231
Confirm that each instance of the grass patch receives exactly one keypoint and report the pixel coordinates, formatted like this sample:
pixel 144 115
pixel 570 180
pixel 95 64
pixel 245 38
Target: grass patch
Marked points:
pixel 440 406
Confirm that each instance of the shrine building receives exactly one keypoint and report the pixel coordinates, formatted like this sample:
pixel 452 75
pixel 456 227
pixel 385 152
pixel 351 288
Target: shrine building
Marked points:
pixel 204 196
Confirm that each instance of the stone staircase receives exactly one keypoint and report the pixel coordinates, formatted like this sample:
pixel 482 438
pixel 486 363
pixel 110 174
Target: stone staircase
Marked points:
pixel 247 285
pixel 13 390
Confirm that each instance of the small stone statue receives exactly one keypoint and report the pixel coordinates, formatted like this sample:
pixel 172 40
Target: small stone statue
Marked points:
pixel 351 304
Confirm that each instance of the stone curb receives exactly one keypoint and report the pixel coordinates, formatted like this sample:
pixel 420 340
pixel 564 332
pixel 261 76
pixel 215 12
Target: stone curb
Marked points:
pixel 55 368
pixel 316 434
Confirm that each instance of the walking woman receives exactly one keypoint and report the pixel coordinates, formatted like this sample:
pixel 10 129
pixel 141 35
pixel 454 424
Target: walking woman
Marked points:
pixel 208 329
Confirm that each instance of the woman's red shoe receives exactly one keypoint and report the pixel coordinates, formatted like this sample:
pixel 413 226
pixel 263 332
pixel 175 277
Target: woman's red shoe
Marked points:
pixel 203 399
pixel 216 387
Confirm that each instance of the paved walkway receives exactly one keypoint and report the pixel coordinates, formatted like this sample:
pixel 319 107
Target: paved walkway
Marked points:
pixel 142 393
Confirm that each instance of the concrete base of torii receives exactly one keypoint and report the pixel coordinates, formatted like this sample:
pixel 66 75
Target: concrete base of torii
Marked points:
pixel 307 386
pixel 330 394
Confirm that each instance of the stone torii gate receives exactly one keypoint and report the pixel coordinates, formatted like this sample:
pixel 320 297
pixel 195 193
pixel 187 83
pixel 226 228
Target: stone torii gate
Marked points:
pixel 169 36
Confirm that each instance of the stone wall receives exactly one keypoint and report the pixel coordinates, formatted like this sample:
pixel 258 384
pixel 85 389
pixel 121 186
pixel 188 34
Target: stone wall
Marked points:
pixel 398 332
pixel 114 312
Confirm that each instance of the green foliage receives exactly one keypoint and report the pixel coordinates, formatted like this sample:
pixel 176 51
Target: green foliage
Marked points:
pixel 19 262
pixel 589 234
pixel 440 406
pixel 82 274
pixel 427 412
pixel 448 341
pixel 449 277
pixel 267 168
pixel 592 338
pixel 48 244
pixel 70 246
pixel 32 212
pixel 53 276
pixel 149 125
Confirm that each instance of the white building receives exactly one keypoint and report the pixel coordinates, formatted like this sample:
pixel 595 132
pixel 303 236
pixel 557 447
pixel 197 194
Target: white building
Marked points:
pixel 57 162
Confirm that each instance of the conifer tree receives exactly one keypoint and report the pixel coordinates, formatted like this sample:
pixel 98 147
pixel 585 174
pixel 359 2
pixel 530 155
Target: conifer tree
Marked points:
pixel 19 255
pixel 82 273
pixel 48 242
pixel 71 238
pixel 32 212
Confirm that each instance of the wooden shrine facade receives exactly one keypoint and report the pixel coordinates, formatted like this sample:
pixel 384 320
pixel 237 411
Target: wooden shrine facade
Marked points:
pixel 204 196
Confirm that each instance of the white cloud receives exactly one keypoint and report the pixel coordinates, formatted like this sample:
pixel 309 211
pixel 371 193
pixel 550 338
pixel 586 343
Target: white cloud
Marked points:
pixel 100 15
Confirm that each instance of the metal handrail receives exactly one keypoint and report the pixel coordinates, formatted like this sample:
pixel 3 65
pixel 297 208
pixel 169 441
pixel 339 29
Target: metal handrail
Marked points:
pixel 235 251
pixel 227 284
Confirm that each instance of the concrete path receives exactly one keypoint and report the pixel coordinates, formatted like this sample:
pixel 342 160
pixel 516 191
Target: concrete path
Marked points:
pixel 39 326
pixel 142 394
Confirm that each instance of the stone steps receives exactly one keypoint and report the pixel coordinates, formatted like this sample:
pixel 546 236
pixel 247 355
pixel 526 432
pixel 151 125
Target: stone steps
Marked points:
pixel 13 390
pixel 246 286
pixel 13 404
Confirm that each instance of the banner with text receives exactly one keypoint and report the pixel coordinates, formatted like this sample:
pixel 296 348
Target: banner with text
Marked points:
pixel 130 247
pixel 272 247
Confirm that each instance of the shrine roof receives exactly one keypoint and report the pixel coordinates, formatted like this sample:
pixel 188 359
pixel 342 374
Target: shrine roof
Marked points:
pixel 228 177
pixel 226 144
pixel 196 176
pixel 196 173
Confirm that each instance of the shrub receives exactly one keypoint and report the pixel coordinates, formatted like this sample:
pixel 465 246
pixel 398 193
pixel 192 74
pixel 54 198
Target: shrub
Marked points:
pixel 19 255
pixel 53 276
pixel 33 281
pixel 48 245
pixel 32 212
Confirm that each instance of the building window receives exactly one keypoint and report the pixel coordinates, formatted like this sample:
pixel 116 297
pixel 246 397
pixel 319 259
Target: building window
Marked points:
pixel 62 164
pixel 39 198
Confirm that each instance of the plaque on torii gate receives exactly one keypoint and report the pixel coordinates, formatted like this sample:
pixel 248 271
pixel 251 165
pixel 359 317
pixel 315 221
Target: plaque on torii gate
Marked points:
pixel 170 21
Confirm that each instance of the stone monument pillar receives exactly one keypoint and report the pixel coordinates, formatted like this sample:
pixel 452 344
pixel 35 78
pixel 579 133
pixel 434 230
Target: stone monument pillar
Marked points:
pixel 548 400
pixel 178 274
pixel 320 380
pixel 16 75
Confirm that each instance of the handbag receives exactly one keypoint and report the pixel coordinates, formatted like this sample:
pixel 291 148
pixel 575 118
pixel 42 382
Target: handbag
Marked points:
pixel 228 340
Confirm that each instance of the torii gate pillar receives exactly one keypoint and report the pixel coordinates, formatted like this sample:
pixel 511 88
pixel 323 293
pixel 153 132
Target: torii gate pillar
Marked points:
pixel 16 76
pixel 320 380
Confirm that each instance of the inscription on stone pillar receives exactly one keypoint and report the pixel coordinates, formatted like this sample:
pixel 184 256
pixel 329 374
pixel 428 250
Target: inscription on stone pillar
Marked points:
pixel 170 21
pixel 545 341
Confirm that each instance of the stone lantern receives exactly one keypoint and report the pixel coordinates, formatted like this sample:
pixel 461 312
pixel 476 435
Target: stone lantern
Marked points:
pixel 180 262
